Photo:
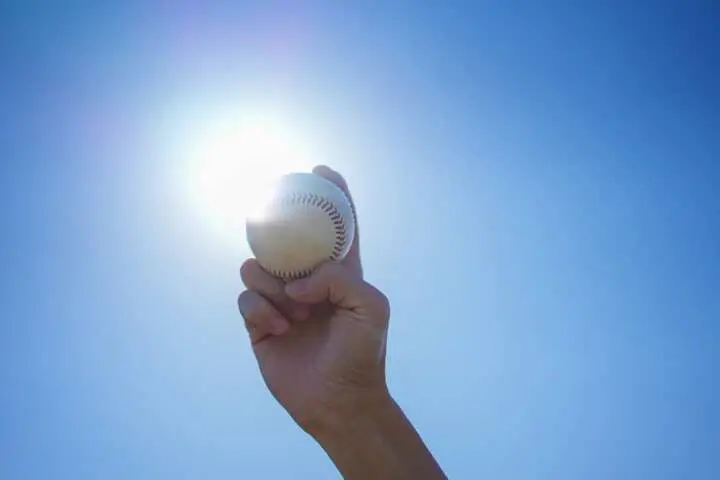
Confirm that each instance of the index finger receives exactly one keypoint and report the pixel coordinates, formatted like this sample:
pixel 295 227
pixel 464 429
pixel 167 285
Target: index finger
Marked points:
pixel 272 288
pixel 352 259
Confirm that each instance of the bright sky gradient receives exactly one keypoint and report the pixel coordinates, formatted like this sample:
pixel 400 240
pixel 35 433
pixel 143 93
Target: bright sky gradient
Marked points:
pixel 537 184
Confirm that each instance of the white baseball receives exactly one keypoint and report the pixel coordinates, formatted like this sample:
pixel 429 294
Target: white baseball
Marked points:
pixel 307 220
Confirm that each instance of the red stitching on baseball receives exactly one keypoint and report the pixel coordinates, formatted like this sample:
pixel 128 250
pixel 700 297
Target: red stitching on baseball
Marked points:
pixel 337 220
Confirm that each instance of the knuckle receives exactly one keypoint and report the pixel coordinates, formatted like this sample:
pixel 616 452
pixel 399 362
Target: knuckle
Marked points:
pixel 244 301
pixel 247 269
pixel 381 303
pixel 252 306
pixel 257 279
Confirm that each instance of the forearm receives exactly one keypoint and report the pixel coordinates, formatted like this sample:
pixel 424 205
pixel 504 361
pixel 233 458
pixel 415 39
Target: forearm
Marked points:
pixel 377 442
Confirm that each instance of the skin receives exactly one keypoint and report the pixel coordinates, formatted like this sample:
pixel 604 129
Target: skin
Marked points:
pixel 320 343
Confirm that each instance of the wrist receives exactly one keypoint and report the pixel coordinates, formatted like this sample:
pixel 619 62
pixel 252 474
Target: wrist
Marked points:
pixel 343 417
pixel 374 439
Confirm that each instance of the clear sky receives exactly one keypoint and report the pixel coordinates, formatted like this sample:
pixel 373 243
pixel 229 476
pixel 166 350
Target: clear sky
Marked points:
pixel 537 184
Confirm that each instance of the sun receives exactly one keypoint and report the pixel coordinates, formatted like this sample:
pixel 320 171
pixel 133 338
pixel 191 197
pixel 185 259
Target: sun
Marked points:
pixel 232 163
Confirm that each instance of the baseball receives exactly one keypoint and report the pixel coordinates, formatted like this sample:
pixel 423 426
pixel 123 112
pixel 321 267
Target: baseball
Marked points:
pixel 305 221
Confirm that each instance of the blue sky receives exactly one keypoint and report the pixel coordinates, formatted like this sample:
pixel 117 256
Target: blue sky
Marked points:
pixel 537 189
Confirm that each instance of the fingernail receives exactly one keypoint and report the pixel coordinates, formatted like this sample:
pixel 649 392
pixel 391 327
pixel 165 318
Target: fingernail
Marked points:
pixel 319 169
pixel 332 175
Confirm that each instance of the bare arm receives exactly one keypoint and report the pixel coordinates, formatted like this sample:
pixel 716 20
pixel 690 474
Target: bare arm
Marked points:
pixel 378 442
pixel 320 343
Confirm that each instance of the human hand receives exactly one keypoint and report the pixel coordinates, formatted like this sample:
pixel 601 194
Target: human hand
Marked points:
pixel 320 341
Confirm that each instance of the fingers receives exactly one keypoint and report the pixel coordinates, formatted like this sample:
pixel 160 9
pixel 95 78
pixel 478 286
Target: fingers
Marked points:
pixel 353 257
pixel 338 284
pixel 258 280
pixel 333 176
pixel 261 318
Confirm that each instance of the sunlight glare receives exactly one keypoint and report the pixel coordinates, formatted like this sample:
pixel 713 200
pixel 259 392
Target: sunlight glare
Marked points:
pixel 234 163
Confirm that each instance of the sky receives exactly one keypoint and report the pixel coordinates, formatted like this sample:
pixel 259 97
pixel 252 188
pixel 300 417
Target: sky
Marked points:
pixel 537 188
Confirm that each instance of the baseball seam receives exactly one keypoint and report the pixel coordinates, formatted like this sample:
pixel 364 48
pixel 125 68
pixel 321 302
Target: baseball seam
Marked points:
pixel 337 220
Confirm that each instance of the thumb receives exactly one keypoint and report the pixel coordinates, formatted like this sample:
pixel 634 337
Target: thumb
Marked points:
pixel 339 285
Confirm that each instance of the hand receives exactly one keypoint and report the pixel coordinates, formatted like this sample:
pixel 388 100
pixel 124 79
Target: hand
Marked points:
pixel 319 341
pixel 320 344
